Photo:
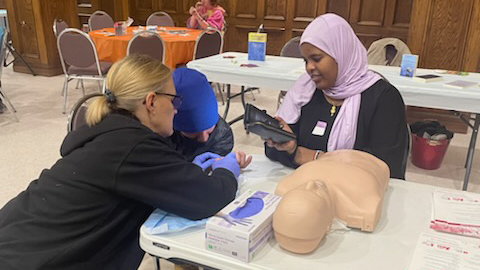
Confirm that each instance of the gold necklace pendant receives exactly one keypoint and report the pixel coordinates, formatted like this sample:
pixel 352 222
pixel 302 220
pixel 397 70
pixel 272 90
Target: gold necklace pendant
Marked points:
pixel 332 110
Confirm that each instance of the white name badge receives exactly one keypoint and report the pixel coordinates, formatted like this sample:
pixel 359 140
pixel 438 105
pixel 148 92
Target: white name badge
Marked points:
pixel 319 128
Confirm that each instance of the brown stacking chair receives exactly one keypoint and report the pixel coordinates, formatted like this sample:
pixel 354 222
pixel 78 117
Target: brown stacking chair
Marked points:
pixel 208 43
pixel 58 26
pixel 100 19
pixel 160 18
pixel 149 43
pixel 77 116
pixel 79 59
pixel 290 49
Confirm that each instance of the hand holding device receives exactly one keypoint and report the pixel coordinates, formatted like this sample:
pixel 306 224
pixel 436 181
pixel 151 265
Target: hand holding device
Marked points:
pixel 205 160
pixel 267 127
pixel 229 162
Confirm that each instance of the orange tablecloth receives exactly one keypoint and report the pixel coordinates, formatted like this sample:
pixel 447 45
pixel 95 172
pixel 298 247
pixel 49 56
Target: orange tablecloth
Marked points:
pixel 179 49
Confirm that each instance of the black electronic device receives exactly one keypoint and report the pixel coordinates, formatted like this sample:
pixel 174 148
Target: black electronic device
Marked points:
pixel 267 127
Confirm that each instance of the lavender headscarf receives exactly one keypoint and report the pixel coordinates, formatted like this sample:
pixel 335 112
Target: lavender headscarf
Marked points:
pixel 333 35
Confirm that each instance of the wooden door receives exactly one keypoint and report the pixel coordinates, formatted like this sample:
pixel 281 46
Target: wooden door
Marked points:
pixel 284 19
pixel 24 22
pixel 445 34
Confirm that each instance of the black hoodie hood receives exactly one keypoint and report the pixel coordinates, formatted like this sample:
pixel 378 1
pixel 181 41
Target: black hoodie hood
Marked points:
pixel 112 122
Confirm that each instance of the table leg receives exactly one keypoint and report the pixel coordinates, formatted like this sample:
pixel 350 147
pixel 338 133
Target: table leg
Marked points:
pixel 242 96
pixel 156 261
pixel 227 106
pixel 471 151
pixel 238 118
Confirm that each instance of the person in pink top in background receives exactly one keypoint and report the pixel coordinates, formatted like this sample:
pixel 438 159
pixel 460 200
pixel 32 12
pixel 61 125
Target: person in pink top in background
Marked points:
pixel 206 13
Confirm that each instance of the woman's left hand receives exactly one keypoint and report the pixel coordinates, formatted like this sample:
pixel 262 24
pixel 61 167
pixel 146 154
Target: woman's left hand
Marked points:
pixel 242 159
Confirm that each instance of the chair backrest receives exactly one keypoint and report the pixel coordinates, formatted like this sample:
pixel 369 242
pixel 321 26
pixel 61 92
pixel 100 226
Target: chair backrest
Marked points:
pixel 77 49
pixel 291 48
pixel 149 43
pixel 77 116
pixel 100 19
pixel 208 43
pixel 58 26
pixel 387 51
pixel 160 18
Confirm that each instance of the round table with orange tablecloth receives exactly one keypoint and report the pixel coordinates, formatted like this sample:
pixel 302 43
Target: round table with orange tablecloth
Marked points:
pixel 178 48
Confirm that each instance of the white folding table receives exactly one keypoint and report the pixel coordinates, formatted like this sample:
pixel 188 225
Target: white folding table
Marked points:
pixel 406 214
pixel 281 73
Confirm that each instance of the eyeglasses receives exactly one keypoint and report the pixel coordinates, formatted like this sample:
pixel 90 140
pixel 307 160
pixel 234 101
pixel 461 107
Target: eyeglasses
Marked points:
pixel 176 100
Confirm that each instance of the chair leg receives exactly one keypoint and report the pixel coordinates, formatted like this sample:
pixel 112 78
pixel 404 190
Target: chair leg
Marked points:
pixel 8 104
pixel 65 89
pixel 83 87
pixel 100 87
pixel 78 84
pixel 253 96
pixel 219 90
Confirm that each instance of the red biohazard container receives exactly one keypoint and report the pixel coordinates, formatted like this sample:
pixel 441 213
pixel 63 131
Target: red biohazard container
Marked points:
pixel 428 154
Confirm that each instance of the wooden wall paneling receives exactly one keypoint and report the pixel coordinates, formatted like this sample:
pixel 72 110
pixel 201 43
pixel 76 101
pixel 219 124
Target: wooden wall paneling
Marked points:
pixel 401 13
pixel 446 34
pixel 246 9
pixel 276 10
pixel 375 19
pixel 3 4
pixel 471 56
pixel 340 7
pixel 31 31
pixel 418 27
pixel 141 9
pixel 368 13
pixel 275 39
pixel 170 6
pixel 57 9
pixel 305 10
pixel 239 37
pixel 23 22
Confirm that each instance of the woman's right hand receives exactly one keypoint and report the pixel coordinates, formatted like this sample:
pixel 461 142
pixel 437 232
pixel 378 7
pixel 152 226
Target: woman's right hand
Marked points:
pixel 289 146
pixel 192 10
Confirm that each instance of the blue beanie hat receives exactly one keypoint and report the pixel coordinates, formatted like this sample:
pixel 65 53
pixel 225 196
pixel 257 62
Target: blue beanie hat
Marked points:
pixel 199 109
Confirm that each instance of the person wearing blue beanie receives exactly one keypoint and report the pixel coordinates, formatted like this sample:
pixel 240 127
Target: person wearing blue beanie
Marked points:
pixel 198 128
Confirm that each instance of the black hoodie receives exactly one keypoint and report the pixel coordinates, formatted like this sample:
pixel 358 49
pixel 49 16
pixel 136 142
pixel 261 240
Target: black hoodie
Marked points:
pixel 86 211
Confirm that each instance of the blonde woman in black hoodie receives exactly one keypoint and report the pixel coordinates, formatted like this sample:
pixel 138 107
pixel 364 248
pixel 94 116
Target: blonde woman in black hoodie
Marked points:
pixel 86 211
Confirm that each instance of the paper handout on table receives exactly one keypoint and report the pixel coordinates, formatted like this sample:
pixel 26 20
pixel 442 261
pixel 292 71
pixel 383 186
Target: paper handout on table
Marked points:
pixel 456 212
pixel 444 251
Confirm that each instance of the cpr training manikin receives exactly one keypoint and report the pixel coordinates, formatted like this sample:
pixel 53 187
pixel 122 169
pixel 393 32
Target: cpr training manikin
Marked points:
pixel 348 185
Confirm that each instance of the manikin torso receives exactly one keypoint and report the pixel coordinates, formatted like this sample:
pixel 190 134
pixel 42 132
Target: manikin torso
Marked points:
pixel 354 182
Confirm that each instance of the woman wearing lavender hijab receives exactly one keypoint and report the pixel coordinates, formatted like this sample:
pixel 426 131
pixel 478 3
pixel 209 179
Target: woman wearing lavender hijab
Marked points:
pixel 339 103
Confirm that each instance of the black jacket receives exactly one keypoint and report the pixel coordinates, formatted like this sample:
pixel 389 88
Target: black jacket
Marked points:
pixel 381 127
pixel 219 142
pixel 86 211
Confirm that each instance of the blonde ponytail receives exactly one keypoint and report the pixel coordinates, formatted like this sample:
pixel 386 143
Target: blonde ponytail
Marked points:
pixel 97 110
pixel 129 81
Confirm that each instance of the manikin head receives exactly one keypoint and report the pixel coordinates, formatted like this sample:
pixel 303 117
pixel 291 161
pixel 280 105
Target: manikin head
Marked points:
pixel 303 217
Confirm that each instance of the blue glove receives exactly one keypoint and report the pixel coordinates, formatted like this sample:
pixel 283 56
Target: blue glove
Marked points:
pixel 205 160
pixel 229 162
